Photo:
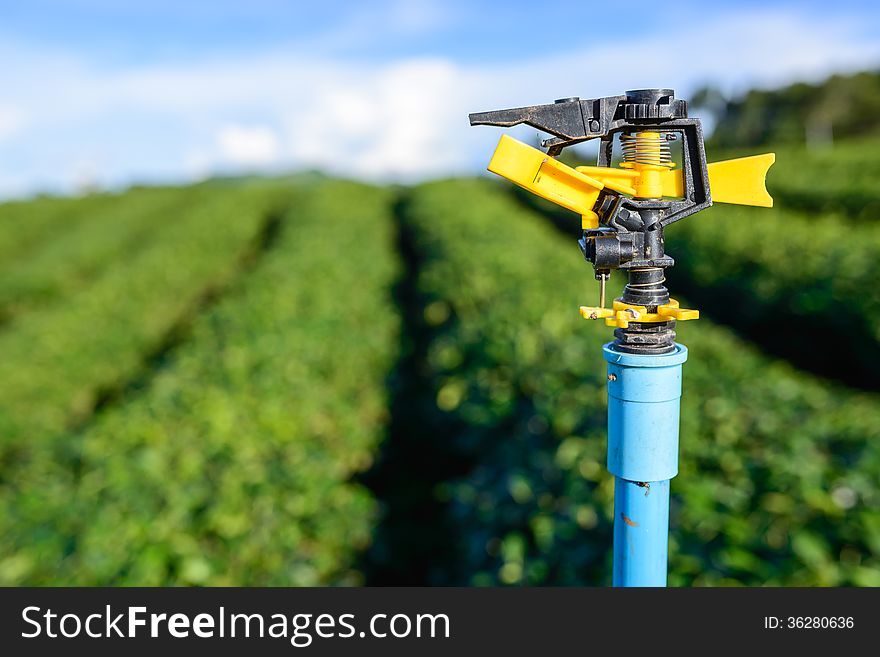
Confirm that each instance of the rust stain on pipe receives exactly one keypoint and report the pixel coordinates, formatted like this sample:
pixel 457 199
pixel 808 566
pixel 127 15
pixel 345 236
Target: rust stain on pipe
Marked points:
pixel 628 521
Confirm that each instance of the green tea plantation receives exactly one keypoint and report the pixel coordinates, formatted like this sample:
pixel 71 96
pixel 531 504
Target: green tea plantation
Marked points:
pixel 311 381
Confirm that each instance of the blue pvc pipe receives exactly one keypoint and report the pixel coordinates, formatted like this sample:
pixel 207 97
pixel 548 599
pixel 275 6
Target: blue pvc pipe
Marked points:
pixel 644 393
pixel 641 532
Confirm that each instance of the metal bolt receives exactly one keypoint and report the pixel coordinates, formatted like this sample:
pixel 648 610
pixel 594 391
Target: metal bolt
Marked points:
pixel 594 125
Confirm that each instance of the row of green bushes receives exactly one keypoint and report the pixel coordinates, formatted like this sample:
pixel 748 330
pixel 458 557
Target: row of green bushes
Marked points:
pixel 84 242
pixel 778 470
pixel 25 225
pixel 61 360
pixel 231 464
pixel 839 179
pixel 789 281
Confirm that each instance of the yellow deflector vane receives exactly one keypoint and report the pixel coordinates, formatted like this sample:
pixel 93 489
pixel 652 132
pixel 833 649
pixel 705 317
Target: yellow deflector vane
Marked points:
pixel 547 177
pixel 740 181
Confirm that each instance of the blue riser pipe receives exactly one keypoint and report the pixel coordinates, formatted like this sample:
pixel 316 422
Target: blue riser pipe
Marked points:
pixel 641 532
pixel 644 394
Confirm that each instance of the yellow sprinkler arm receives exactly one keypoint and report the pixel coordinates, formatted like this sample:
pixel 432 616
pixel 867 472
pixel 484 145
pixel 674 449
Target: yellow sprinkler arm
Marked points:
pixel 547 177
pixel 741 181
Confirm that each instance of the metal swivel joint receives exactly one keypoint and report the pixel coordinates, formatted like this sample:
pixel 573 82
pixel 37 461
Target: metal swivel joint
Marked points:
pixel 625 209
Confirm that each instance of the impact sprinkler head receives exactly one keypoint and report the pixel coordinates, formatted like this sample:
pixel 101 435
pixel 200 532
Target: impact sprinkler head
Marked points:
pixel 624 209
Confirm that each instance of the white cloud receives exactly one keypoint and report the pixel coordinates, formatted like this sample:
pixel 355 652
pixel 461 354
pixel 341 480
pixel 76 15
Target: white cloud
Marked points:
pixel 393 122
pixel 399 120
pixel 248 146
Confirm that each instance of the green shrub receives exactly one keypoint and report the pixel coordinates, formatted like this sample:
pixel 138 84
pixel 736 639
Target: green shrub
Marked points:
pixel 837 179
pixel 86 239
pixel 59 362
pixel 231 464
pixel 787 281
pixel 26 225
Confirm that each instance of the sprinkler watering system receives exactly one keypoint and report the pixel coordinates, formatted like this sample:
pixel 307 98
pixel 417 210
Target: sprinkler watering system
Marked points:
pixel 624 210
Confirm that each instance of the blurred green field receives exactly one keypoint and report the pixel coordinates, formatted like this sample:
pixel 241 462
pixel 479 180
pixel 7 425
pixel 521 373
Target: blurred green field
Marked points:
pixel 311 381
pixel 246 364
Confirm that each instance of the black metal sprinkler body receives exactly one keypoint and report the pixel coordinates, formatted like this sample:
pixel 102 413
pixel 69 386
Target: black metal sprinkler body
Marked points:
pixel 625 210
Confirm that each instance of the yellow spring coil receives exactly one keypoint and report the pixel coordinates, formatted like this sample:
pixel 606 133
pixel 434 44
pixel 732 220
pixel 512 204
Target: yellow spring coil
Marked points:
pixel 650 148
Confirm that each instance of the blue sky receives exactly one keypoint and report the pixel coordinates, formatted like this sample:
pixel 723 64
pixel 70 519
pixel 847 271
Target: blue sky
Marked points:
pixel 96 92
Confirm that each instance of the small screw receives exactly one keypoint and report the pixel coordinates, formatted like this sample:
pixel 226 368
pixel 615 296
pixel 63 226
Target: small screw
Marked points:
pixel 594 125
pixel 612 377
